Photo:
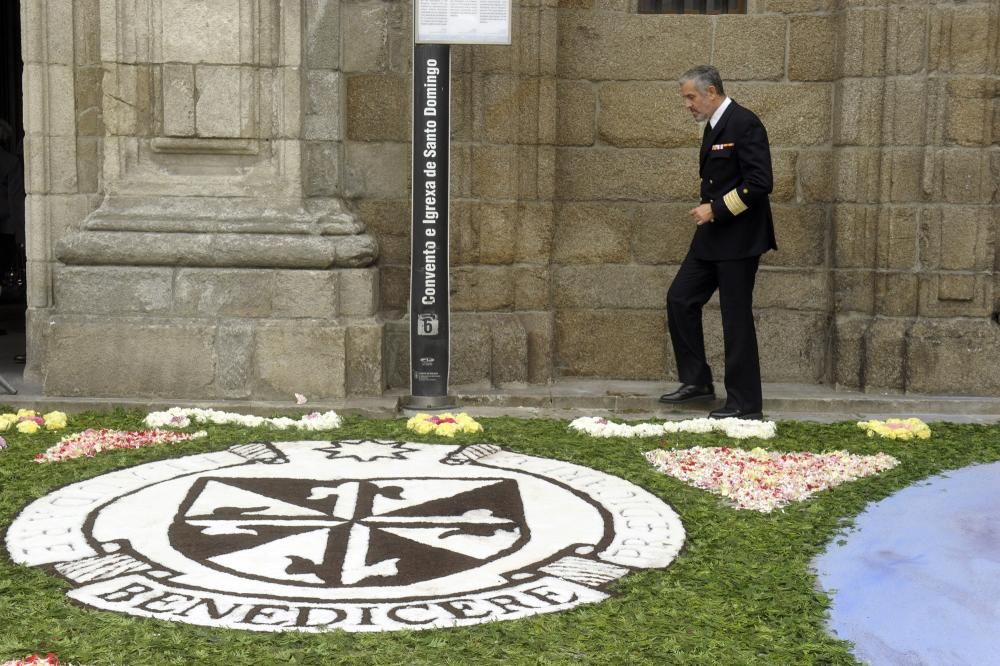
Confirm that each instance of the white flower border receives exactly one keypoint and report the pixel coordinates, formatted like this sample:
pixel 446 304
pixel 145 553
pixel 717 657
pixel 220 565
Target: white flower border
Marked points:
pixel 181 417
pixel 596 426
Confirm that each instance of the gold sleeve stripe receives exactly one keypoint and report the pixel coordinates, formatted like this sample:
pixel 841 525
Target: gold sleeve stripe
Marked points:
pixel 734 203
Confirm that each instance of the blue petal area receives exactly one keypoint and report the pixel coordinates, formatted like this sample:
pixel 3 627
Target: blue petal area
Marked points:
pixel 918 580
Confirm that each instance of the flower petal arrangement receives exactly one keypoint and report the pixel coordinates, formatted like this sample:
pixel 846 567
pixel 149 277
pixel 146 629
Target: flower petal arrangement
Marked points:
pixel 596 426
pixel 34 660
pixel 28 421
pixel 763 480
pixel 91 442
pixel 903 429
pixel 445 425
pixel 180 417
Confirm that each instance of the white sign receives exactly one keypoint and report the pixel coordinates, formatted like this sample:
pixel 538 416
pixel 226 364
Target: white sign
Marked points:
pixel 461 21
pixel 356 535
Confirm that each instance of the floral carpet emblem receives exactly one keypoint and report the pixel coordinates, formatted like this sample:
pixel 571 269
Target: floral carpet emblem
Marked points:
pixel 354 535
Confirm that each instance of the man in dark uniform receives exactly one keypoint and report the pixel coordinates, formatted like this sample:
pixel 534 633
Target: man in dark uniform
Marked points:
pixel 734 227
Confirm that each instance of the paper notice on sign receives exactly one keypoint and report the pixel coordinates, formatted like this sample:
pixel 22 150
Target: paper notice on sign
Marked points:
pixel 462 21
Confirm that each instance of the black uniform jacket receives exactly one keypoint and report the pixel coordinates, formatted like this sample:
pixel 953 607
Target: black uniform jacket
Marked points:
pixel 736 179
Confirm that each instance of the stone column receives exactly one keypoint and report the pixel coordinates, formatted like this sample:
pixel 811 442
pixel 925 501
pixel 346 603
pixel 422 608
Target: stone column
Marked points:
pixel 860 105
pixel 62 129
pixel 207 271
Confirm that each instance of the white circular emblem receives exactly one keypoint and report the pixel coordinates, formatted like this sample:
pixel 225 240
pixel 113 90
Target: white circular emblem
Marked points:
pixel 355 535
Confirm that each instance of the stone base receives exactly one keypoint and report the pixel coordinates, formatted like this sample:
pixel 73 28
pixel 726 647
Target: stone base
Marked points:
pixel 918 354
pixel 199 333
pixel 486 350
pixel 219 232
pixel 147 357
pixel 164 291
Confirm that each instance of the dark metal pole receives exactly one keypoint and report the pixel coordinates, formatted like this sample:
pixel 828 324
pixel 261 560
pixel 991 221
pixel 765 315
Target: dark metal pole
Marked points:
pixel 429 302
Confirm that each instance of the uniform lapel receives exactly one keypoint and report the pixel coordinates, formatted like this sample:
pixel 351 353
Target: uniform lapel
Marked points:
pixel 705 144
pixel 713 134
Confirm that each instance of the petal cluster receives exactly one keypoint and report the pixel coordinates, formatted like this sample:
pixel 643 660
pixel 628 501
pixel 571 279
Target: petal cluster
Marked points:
pixel 735 428
pixel 180 417
pixel 446 425
pixel 765 480
pixel 34 660
pixel 28 421
pixel 904 429
pixel 91 442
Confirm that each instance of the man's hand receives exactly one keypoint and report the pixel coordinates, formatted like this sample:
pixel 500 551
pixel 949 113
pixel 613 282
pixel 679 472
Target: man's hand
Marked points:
pixel 701 214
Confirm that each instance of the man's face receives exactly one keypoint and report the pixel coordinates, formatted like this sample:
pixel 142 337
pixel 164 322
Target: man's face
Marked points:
pixel 701 104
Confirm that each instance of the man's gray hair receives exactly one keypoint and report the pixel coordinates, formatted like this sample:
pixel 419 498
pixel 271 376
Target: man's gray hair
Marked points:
pixel 703 77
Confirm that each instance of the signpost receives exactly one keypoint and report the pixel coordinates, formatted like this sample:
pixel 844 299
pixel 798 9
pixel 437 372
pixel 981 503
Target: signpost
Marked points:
pixel 461 21
pixel 429 311
pixel 436 25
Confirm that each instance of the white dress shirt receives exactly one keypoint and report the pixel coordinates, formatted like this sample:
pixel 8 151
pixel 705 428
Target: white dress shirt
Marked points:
pixel 718 112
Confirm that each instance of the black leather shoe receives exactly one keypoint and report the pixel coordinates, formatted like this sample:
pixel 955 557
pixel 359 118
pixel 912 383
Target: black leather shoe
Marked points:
pixel 735 413
pixel 689 392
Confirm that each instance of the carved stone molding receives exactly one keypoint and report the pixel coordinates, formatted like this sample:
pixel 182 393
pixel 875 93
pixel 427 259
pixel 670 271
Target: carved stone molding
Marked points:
pixel 203 105
pixel 220 232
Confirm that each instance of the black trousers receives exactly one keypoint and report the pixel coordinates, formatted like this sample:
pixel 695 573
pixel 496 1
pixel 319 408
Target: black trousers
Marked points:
pixel 694 284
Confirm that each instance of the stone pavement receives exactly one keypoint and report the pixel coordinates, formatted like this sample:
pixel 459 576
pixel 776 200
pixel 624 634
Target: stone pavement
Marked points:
pixel 570 398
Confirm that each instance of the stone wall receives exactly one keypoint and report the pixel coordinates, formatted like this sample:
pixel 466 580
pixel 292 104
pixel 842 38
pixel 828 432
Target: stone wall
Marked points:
pixel 63 129
pixel 916 216
pixel 575 165
pixel 218 198
pixel 502 185
pixel 627 175
pixel 186 234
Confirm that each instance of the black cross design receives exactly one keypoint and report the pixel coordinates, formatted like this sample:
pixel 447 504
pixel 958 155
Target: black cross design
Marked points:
pixel 332 533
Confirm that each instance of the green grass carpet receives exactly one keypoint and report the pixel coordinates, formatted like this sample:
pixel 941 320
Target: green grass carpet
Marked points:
pixel 741 591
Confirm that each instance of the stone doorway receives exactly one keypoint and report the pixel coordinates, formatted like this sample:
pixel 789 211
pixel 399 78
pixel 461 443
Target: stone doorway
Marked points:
pixel 12 245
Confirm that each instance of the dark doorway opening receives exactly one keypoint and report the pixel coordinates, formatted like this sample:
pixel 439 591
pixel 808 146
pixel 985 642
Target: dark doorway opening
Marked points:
pixel 13 280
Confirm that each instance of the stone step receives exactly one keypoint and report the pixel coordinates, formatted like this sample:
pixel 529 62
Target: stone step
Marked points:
pixel 637 398
pixel 570 398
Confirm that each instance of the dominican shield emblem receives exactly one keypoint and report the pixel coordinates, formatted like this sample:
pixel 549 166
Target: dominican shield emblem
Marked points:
pixel 357 535
pixel 349 532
